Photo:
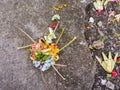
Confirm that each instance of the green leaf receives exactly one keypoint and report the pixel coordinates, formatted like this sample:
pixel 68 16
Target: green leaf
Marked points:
pixel 42 56
pixel 108 75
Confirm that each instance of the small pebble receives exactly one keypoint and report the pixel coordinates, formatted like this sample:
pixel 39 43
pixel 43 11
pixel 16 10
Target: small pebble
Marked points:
pixel 91 19
pixel 110 85
pixel 103 81
pixel 100 24
pixel 101 33
pixel 117 87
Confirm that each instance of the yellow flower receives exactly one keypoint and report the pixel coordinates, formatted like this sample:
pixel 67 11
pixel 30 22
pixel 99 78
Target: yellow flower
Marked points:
pixel 54 51
pixel 65 5
pixel 56 57
pixel 56 9
pixel 60 6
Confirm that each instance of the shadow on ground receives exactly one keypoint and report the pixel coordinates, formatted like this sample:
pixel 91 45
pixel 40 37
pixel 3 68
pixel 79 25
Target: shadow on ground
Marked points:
pixel 16 70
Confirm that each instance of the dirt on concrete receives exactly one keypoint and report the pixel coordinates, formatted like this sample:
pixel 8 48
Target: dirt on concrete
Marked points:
pixel 34 16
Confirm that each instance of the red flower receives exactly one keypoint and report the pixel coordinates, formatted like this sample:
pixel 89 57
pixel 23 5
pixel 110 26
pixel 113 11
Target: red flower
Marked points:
pixel 42 64
pixel 55 45
pixel 53 26
pixel 114 73
pixel 118 59
pixel 99 12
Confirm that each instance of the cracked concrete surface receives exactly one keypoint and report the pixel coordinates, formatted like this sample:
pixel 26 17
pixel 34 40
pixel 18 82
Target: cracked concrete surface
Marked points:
pixel 34 16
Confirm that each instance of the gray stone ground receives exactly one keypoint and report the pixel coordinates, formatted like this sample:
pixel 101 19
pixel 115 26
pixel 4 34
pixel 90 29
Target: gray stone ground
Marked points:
pixel 16 70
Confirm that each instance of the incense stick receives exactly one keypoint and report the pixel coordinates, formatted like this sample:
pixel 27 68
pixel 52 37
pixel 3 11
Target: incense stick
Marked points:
pixel 60 36
pixel 25 34
pixel 68 43
pixel 23 47
pixel 61 65
pixel 58 72
pixel 44 80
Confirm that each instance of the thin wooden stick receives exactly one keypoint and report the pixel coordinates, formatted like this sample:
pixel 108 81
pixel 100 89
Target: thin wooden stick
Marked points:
pixel 56 26
pixel 58 72
pixel 60 36
pixel 44 80
pixel 25 34
pixel 61 65
pixel 68 43
pixel 24 47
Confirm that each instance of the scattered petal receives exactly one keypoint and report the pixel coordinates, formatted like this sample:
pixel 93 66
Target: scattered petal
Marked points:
pixel 112 13
pixel 56 17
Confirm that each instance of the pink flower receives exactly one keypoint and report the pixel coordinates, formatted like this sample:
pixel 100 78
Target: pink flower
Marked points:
pixel 113 0
pixel 112 13
pixel 33 47
pixel 38 46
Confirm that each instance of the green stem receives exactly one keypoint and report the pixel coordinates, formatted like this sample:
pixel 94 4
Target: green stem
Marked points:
pixel 60 36
pixel 25 34
pixel 44 80
pixel 68 43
